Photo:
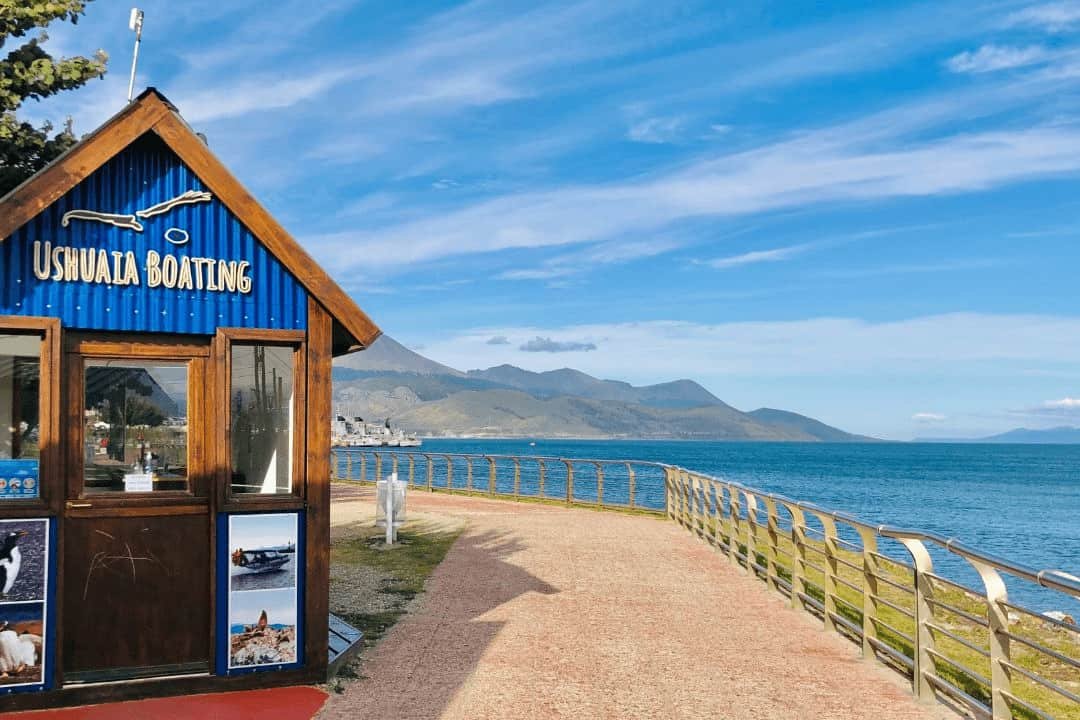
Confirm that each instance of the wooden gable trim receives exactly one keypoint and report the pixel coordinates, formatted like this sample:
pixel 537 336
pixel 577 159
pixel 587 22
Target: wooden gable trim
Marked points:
pixel 51 183
pixel 151 112
pixel 195 154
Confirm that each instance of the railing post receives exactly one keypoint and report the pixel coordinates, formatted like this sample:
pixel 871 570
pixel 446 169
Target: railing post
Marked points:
pixel 542 469
pixel 412 470
pixel 569 481
pixel 378 466
pixel 718 513
pixel 430 473
pixel 724 509
pixel 831 570
pixel 751 532
pixel 630 474
pixel 348 465
pixel 997 617
pixel 704 506
pixel 688 498
pixel 449 474
pixel 868 540
pixel 773 531
pixel 708 531
pixel 599 485
pixel 468 473
pixel 491 475
pixel 736 524
pixel 798 561
pixel 363 466
pixel 394 467
pixel 923 667
pixel 669 489
pixel 693 503
pixel 517 478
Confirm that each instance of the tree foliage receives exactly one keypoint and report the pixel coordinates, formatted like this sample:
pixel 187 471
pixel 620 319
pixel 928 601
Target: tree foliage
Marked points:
pixel 28 71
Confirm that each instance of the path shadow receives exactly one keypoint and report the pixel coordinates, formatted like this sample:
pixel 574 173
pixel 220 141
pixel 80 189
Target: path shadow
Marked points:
pixel 420 666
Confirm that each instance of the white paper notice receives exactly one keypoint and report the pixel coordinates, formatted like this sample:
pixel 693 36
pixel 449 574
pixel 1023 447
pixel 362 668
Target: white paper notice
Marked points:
pixel 139 482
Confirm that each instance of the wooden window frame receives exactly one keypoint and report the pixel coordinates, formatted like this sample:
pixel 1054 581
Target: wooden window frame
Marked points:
pixel 78 348
pixel 251 502
pixel 50 477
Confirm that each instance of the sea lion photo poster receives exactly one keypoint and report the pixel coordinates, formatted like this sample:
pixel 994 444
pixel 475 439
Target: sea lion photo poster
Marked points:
pixel 24 576
pixel 263 561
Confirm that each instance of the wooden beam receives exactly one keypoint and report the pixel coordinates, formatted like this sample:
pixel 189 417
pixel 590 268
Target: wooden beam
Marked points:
pixel 317 465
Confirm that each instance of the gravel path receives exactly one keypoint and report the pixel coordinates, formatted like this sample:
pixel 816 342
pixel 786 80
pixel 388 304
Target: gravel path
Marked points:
pixel 546 612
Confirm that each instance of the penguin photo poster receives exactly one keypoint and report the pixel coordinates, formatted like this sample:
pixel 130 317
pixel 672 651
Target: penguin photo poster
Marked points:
pixel 263 592
pixel 24 562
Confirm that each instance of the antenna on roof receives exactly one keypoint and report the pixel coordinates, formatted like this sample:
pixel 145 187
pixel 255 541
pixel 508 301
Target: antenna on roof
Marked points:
pixel 135 24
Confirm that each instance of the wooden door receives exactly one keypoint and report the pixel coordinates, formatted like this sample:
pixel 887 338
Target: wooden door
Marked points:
pixel 137 566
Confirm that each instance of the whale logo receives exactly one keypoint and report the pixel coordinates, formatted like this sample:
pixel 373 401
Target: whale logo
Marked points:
pixel 131 222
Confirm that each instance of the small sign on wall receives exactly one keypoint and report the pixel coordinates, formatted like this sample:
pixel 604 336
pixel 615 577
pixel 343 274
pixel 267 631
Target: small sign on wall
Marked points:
pixel 19 479
pixel 25 632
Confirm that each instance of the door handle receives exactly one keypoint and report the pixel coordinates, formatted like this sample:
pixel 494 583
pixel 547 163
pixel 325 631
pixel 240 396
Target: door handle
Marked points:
pixel 78 505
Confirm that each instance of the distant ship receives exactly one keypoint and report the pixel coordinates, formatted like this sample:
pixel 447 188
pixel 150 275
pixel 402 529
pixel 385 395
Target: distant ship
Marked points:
pixel 354 432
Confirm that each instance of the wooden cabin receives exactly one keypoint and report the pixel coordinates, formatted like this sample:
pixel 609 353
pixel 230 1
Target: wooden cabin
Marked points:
pixel 165 400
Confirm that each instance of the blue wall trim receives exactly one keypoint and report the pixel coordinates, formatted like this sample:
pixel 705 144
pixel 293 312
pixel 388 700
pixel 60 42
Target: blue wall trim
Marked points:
pixel 141 176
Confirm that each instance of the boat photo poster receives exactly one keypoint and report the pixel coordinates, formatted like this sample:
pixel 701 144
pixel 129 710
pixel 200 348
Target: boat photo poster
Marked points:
pixel 263 590
pixel 24 588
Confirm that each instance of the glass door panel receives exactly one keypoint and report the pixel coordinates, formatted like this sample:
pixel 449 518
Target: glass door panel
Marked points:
pixel 135 434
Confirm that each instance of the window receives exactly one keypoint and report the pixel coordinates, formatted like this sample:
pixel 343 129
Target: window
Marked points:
pixel 135 435
pixel 20 416
pixel 261 411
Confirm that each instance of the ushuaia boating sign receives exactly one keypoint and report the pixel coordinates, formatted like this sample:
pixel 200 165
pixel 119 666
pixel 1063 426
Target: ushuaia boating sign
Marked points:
pixel 143 244
pixel 63 263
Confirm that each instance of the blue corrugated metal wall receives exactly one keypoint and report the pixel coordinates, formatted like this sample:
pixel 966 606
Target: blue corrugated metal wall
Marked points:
pixel 143 175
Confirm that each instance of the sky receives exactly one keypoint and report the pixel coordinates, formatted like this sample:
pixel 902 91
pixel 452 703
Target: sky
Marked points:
pixel 866 213
pixel 260 531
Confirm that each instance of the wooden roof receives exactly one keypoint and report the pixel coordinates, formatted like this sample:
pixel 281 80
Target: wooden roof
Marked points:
pixel 152 112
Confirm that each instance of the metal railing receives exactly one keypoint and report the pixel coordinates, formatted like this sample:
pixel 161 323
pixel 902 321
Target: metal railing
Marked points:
pixel 614 484
pixel 875 585
pixel 971 648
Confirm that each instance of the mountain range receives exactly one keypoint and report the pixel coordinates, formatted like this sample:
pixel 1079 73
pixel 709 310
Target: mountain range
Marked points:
pixel 1063 435
pixel 420 395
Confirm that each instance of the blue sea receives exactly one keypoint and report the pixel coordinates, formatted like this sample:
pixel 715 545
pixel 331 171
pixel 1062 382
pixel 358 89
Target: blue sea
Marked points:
pixel 1019 502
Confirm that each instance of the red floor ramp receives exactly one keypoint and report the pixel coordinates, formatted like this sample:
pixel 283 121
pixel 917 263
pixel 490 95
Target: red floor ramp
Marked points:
pixel 290 703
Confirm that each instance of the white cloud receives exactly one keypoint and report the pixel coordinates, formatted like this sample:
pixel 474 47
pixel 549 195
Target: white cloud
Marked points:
pixel 656 130
pixel 758 256
pixel 1066 407
pixel 817 168
pixel 1068 403
pixel 928 417
pixel 547 345
pixel 1052 17
pixel 989 58
pixel 583 261
pixel 959 345
pixel 251 95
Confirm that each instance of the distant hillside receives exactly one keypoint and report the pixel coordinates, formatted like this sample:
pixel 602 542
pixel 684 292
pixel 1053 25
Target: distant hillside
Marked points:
pixel 555 383
pixel 386 354
pixel 390 381
pixel 802 424
pixel 1063 435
